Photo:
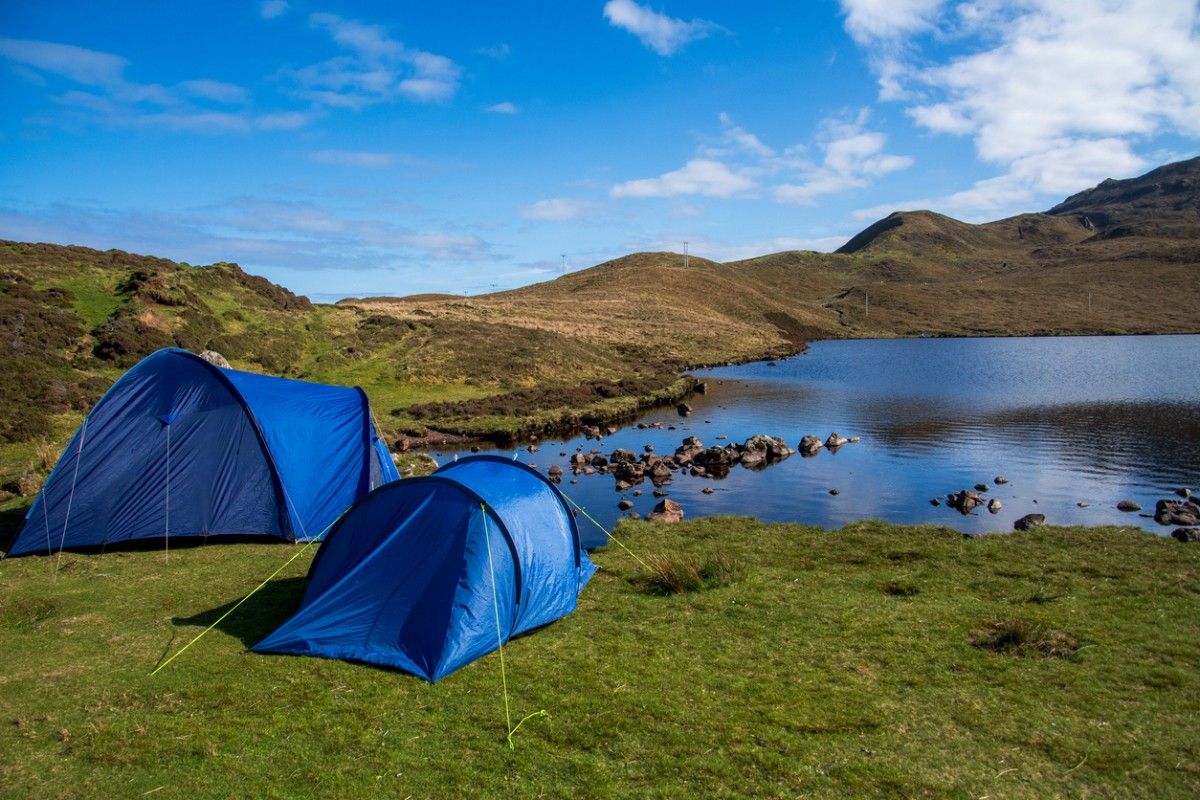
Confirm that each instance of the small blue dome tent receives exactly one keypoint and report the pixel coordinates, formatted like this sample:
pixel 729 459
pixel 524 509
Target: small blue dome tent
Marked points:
pixel 181 447
pixel 405 580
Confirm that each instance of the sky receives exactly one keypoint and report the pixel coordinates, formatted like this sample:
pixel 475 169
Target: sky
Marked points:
pixel 356 148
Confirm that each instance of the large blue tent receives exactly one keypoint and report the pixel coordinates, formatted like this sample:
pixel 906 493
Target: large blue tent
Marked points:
pixel 180 447
pixel 428 574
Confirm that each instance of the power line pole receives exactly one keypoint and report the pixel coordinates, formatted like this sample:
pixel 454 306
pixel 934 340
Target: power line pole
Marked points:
pixel 564 263
pixel 866 303
pixel 685 255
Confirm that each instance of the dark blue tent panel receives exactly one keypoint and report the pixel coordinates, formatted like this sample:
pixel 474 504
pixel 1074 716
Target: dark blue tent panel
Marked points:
pixel 180 447
pixel 405 580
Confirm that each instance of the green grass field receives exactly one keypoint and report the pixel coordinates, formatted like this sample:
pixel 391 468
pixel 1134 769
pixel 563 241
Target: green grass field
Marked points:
pixel 835 664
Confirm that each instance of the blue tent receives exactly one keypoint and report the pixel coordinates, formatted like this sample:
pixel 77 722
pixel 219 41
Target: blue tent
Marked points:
pixel 405 580
pixel 180 447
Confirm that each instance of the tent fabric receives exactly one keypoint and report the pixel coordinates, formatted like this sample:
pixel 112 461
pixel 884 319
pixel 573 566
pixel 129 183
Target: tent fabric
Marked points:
pixel 180 447
pixel 405 580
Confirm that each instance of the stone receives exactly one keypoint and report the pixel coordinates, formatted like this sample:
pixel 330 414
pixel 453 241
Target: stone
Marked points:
pixel 214 358
pixel 809 445
pixel 835 440
pixel 994 505
pixel 625 505
pixel 1029 521
pixel 835 491
pixel 1128 505
pixel 854 439
pixel 982 487
pixel 634 515
pixel 667 510
pixel 555 473
pixel 964 502
pixel 1184 492
pixel 1176 512
pixel 933 501
pixel 1186 534
pixel 707 490
pixel 659 493
pixel 621 455
pixel 1082 504
pixel 684 409
pixel 649 448
pixel 1000 480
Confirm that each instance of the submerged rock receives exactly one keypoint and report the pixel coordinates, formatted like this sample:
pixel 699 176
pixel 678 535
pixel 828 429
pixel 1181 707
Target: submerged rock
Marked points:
pixel 994 505
pixel 1128 505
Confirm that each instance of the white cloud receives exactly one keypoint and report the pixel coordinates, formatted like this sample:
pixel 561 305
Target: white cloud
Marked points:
pixel 700 176
pixel 502 108
pixel 740 165
pixel 662 34
pixel 270 9
pixel 217 91
pixel 113 99
pixel 870 20
pixel 352 158
pixel 556 209
pixel 1055 96
pixel 376 69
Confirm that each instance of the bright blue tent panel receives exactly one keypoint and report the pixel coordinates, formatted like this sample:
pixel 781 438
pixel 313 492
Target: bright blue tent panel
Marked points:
pixel 405 580
pixel 314 432
pixel 542 528
pixel 177 448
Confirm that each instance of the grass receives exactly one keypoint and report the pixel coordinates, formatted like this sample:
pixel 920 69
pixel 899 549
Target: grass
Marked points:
pixel 802 677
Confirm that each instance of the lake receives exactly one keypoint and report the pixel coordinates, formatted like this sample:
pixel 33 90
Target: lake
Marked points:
pixel 1067 420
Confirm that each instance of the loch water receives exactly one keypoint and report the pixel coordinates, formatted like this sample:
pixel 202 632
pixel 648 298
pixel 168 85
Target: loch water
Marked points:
pixel 1067 420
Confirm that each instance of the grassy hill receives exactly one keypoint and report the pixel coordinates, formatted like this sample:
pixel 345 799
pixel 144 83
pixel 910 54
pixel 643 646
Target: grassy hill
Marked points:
pixel 875 661
pixel 599 343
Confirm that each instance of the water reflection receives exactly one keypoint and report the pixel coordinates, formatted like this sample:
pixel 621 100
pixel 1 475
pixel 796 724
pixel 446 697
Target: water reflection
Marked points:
pixel 1069 420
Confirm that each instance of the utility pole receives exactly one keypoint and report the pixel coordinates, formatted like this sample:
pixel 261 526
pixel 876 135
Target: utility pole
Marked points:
pixel 685 255
pixel 564 263
pixel 866 303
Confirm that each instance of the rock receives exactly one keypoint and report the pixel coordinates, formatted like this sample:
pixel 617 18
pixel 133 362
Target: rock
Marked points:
pixel 589 470
pixel 1128 505
pixel 474 448
pixel 1176 512
pixel 1184 492
pixel 994 505
pixel 214 358
pixel 722 436
pixel 835 440
pixel 622 485
pixel 933 501
pixel 707 490
pixel 667 510
pixel 809 445
pixel 637 492
pixel 1082 504
pixel 835 491
pixel 1029 521
pixel 659 493
pixel 578 460
pixel 982 487
pixel 591 432
pixel 641 426
pixel 702 388
pixel 1186 534
pixel 684 409
pixel 630 471
pixel 854 439
pixel 621 455
pixel 610 430
pixel 625 505
pixel 555 473
pixel 660 473
pixel 401 444
pixel 649 448
pixel 964 502
pixel 533 448
pixel 1000 480
pixel 599 462
pixel 634 515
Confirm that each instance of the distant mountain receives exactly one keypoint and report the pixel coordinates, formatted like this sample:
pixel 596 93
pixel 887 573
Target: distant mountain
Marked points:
pixel 1163 202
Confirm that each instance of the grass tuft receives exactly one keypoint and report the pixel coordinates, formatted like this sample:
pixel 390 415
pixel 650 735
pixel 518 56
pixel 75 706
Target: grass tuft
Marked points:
pixel 1021 637
pixel 900 589
pixel 677 573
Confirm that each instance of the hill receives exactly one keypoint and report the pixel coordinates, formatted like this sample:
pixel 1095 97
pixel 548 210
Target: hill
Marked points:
pixel 602 342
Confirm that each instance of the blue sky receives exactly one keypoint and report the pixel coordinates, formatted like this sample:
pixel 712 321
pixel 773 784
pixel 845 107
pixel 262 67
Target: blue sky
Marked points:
pixel 346 148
